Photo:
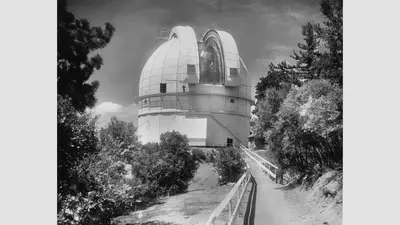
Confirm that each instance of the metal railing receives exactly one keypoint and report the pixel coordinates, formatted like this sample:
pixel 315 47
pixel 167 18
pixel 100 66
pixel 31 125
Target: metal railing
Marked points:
pixel 239 190
pixel 267 166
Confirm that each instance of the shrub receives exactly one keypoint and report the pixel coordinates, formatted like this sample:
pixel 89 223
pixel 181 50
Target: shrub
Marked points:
pixel 119 131
pixel 109 195
pixel 198 154
pixel 165 168
pixel 230 164
pixel 92 185
pixel 76 139
pixel 307 137
pixel 210 156
pixel 180 166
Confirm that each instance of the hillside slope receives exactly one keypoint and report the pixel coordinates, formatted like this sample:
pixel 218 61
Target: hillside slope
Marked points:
pixel 319 202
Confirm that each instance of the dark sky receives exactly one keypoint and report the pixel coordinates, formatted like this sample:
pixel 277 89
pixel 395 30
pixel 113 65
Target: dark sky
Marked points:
pixel 265 31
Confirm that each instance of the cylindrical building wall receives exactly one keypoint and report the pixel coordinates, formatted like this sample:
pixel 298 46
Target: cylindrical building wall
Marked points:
pixel 175 92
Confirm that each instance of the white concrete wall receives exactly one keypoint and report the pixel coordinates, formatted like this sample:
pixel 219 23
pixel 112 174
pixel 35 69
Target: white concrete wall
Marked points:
pixel 201 129
pixel 216 134
pixel 152 126
pixel 240 125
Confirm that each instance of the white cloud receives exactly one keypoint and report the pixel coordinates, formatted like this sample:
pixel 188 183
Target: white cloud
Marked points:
pixel 107 107
pixel 106 110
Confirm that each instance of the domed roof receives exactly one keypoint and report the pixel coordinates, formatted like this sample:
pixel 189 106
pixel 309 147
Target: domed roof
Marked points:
pixel 169 62
pixel 182 59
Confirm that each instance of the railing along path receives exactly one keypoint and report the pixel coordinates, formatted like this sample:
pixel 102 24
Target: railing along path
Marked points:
pixel 239 189
pixel 270 168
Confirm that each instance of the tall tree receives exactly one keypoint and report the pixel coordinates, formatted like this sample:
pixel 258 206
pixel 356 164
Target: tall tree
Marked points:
pixel 311 63
pixel 332 34
pixel 307 59
pixel 76 57
pixel 309 53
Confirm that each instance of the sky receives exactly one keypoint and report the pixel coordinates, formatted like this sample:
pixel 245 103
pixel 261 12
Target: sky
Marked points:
pixel 265 31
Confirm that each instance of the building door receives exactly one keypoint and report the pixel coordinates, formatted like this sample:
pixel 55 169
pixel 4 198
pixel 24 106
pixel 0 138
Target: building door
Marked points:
pixel 229 142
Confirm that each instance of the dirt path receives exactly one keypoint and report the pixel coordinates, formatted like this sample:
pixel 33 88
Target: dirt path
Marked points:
pixel 191 208
pixel 276 205
pixel 271 205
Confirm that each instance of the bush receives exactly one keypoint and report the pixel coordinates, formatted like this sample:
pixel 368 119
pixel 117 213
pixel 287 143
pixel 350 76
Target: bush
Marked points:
pixel 230 165
pixel 165 168
pixel 179 164
pixel 210 156
pixel 198 154
pixel 76 140
pixel 91 176
pixel 109 193
pixel 307 137
pixel 118 131
pixel 102 190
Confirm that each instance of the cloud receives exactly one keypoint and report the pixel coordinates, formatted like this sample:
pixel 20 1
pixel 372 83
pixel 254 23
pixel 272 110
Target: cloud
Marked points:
pixel 106 110
pixel 107 107
pixel 264 30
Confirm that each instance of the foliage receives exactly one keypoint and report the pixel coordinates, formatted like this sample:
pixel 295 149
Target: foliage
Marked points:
pixel 76 139
pixel 230 164
pixel 308 134
pixel 198 154
pixel 179 164
pixel 157 170
pixel 299 107
pixel 102 189
pixel 111 195
pixel 165 168
pixel 311 63
pixel 332 35
pixel 267 109
pixel 118 131
pixel 76 60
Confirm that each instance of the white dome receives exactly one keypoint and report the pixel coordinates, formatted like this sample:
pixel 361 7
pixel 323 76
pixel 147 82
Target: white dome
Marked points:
pixel 168 64
pixel 199 88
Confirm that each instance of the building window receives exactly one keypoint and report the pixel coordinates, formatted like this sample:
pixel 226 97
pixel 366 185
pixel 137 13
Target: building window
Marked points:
pixel 229 142
pixel 145 101
pixel 233 72
pixel 163 87
pixel 191 69
pixel 232 100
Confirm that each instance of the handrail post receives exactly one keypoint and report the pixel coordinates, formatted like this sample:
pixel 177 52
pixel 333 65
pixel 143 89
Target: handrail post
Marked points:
pixel 230 210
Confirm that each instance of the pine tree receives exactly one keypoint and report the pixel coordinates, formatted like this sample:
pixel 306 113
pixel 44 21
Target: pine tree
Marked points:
pixel 77 41
pixel 332 34
pixel 306 67
pixel 308 58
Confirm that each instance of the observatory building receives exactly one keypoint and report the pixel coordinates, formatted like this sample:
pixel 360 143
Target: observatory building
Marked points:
pixel 200 88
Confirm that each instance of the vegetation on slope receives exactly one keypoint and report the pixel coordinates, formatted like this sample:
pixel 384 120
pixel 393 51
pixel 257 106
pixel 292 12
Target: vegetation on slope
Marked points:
pixel 104 173
pixel 299 107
